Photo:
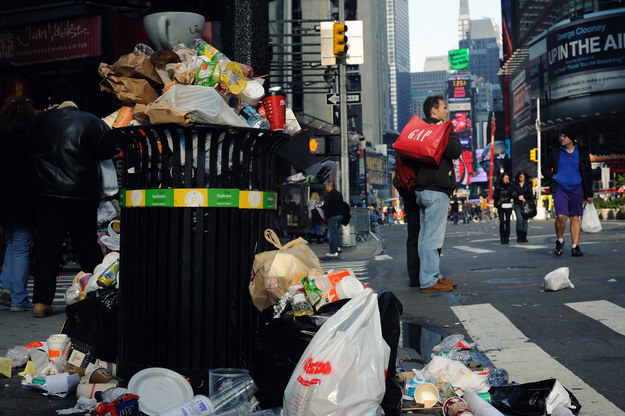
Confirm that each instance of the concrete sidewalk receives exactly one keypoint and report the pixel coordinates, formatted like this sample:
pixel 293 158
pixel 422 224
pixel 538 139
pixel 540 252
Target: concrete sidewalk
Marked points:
pixel 366 246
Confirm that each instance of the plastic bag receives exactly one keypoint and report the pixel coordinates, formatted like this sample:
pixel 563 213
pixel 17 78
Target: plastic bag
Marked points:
pixel 108 176
pixel 455 373
pixel 536 398
pixel 19 354
pixel 274 271
pixel 112 239
pixel 558 279
pixel 203 102
pixel 342 372
pixel 590 219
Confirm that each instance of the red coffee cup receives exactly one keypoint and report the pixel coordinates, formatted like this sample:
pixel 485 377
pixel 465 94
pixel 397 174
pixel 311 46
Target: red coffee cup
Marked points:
pixel 456 406
pixel 275 106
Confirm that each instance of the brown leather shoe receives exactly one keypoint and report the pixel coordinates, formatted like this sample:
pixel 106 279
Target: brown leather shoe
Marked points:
pixel 42 310
pixel 448 282
pixel 437 287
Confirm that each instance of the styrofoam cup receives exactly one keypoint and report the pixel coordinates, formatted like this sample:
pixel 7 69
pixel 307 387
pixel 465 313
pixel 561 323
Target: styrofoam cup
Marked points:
pixel 426 394
pixel 57 343
pixel 252 93
pixel 219 376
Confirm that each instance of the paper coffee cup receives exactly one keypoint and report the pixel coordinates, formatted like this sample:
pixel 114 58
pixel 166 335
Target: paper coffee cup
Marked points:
pixel 426 394
pixel 252 93
pixel 57 344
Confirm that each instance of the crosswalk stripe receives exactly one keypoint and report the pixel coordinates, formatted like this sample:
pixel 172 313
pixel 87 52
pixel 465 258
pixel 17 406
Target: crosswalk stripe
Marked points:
pixel 475 250
pixel 609 314
pixel 508 348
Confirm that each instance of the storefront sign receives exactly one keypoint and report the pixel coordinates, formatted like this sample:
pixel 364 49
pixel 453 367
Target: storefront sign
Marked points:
pixel 198 198
pixel 55 41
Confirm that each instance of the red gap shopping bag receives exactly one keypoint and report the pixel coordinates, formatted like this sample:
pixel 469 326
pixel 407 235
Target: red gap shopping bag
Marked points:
pixel 422 141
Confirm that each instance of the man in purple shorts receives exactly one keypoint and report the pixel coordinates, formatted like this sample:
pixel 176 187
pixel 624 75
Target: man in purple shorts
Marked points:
pixel 568 168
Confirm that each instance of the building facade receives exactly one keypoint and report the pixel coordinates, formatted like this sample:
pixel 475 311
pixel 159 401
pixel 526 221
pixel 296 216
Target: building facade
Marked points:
pixel 398 35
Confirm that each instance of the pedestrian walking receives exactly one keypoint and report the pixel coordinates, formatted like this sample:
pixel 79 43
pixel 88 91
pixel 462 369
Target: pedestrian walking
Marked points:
pixel 504 202
pixel 454 209
pixel 17 215
pixel 521 192
pixel 567 167
pixel 68 143
pixel 315 217
pixel 333 209
pixel 390 213
pixel 434 186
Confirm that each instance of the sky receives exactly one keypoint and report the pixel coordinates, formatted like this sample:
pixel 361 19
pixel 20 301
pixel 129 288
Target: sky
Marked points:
pixel 434 26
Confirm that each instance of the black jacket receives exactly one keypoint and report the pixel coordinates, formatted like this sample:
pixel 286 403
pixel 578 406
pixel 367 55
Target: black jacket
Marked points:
pixel 503 193
pixel 333 204
pixel 550 168
pixel 16 203
pixel 441 178
pixel 525 190
pixel 67 145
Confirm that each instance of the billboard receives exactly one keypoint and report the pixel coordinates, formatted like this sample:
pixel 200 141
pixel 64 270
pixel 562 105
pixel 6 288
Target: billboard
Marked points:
pixel 581 58
pixel 480 174
pixel 458 59
pixel 459 89
pixel 462 126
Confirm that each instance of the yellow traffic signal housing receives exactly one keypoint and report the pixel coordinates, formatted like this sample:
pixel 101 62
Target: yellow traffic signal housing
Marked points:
pixel 339 40
pixel 534 155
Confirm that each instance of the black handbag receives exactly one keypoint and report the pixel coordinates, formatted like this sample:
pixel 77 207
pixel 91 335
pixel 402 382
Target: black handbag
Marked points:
pixel 528 209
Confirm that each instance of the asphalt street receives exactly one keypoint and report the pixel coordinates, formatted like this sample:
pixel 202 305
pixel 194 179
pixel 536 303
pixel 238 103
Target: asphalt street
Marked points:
pixel 576 335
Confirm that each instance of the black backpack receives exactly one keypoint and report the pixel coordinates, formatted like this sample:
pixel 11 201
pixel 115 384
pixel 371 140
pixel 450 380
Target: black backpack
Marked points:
pixel 346 214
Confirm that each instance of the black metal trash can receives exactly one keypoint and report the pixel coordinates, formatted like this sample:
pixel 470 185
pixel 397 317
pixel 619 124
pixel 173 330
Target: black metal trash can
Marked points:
pixel 187 245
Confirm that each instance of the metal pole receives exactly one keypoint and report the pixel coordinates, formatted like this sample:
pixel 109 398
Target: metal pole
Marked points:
pixel 343 117
pixel 540 209
pixel 492 159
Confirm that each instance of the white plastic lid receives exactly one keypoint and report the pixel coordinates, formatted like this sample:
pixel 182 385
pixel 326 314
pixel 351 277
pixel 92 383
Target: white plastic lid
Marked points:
pixel 253 90
pixel 160 390
pixel 349 287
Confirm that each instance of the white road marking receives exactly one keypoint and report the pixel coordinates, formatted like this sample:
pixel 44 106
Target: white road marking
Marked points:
pixel 473 249
pixel 609 314
pixel 508 348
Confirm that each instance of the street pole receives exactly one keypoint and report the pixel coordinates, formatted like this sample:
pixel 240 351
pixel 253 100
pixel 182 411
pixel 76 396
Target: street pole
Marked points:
pixel 492 158
pixel 343 117
pixel 540 209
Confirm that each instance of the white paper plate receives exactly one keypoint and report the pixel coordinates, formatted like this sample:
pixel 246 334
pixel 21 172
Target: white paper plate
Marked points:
pixel 159 389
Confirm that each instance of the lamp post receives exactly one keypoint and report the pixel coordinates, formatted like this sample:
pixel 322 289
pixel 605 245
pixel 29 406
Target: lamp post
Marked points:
pixel 540 209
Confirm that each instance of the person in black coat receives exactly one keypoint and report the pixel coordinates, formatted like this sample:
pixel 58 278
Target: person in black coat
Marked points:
pixel 521 192
pixel 504 202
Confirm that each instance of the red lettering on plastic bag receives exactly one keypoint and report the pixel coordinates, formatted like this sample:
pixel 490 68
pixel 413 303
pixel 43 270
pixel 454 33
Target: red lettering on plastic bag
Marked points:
pixel 308 382
pixel 318 367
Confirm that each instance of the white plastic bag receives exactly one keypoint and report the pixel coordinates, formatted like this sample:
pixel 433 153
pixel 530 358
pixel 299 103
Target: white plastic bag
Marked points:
pixel 590 219
pixel 109 177
pixel 113 238
pixel 455 373
pixel 558 279
pixel 342 372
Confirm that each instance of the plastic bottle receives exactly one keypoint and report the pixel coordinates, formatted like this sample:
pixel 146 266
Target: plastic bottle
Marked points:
pixel 110 394
pixel 300 304
pixel 144 48
pixel 72 294
pixel 109 276
pixel 253 118
pixel 203 48
pixel 232 396
pixel 268 412
pixel 497 377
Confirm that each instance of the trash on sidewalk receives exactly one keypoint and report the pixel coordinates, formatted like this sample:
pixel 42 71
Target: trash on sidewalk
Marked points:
pixel 558 279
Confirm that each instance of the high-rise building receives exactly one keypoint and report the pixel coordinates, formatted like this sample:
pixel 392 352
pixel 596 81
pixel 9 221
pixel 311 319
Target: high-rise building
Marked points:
pixel 566 54
pixel 483 40
pixel 398 40
pixel 423 85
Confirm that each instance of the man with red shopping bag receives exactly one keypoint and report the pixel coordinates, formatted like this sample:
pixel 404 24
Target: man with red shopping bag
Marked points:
pixel 435 183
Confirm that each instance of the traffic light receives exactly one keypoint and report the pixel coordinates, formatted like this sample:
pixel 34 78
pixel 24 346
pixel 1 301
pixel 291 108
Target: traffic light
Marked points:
pixel 534 155
pixel 339 40
pixel 317 146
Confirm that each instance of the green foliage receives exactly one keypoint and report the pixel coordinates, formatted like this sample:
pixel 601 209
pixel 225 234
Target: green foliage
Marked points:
pixel 615 203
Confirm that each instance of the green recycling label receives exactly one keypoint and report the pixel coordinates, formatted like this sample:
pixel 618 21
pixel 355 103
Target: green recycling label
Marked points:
pixel 198 197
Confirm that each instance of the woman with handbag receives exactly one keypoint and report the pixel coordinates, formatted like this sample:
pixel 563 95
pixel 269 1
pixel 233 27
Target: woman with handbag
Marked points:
pixel 523 203
pixel 503 203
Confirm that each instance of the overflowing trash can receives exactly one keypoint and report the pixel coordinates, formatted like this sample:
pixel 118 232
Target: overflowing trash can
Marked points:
pixel 195 202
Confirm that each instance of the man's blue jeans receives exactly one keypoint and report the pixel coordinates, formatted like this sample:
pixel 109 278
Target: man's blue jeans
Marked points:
pixel 433 214
pixel 333 232
pixel 15 270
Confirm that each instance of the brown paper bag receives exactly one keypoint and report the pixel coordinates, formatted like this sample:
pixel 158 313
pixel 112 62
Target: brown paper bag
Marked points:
pixel 274 271
pixel 160 113
pixel 131 79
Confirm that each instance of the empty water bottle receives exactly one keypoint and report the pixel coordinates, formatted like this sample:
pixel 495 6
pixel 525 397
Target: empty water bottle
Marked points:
pixel 109 395
pixel 497 377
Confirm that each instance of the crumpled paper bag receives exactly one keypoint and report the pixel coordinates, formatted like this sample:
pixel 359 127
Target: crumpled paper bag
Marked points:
pixel 131 79
pixel 161 113
pixel 274 271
